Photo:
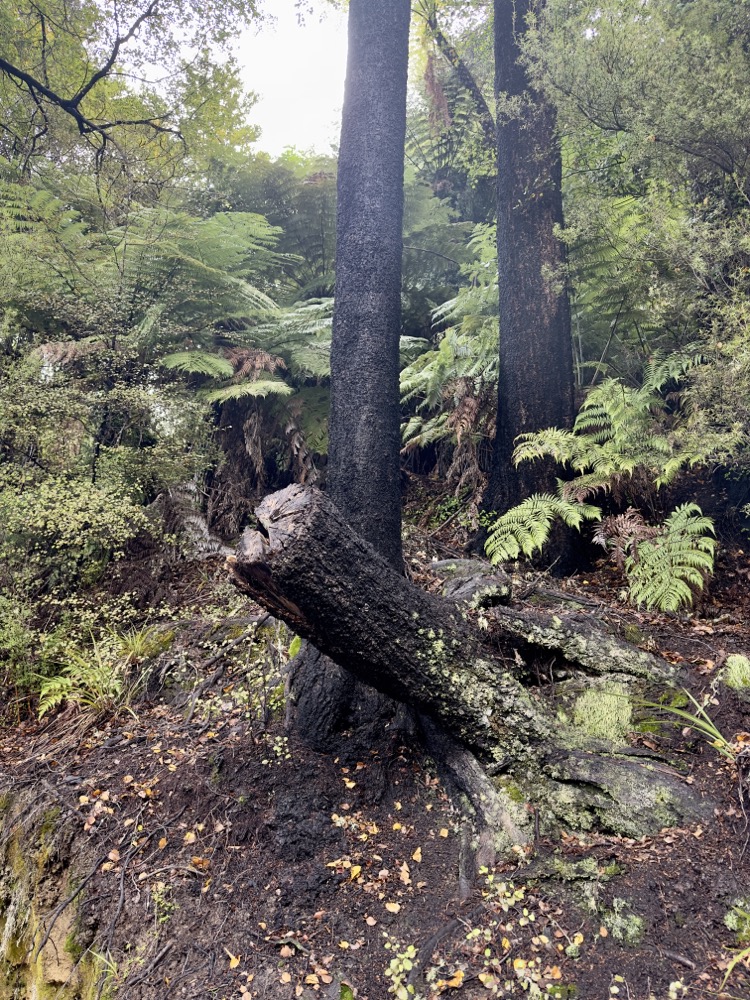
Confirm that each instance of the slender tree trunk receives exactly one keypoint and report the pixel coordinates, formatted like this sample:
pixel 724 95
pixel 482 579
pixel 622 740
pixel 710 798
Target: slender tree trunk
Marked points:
pixel 363 476
pixel 364 467
pixel 536 365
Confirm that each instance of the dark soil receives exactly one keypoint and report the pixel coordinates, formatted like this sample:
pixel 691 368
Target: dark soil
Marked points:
pixel 227 860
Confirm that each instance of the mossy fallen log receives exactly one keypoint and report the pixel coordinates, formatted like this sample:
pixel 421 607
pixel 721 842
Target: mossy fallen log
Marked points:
pixel 308 567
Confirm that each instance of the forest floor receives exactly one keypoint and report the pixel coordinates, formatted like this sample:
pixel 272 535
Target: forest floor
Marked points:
pixel 218 858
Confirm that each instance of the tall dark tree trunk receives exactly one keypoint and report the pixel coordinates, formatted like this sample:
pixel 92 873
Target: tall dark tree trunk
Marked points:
pixel 363 476
pixel 364 467
pixel 536 363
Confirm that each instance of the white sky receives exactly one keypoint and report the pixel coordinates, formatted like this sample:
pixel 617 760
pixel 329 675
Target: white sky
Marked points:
pixel 298 72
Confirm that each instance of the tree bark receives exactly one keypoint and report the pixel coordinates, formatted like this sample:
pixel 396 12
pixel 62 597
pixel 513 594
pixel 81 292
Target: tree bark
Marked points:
pixel 363 475
pixel 535 388
pixel 311 569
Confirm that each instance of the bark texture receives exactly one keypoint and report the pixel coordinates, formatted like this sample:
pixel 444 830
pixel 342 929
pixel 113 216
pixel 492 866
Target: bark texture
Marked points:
pixel 363 476
pixel 535 387
pixel 311 569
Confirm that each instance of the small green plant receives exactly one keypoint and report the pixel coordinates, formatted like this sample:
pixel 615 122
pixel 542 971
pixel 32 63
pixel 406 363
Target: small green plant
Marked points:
pixel 699 721
pixel 164 905
pixel 623 925
pixel 736 673
pixel 399 969
pixel 738 920
pixel 93 679
pixel 139 644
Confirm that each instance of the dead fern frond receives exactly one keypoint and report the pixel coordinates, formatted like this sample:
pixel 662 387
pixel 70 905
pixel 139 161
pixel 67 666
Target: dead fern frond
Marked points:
pixel 250 361
pixel 620 535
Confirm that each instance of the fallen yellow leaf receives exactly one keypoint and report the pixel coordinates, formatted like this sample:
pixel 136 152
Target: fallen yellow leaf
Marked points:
pixel 234 960
pixel 393 907
pixel 417 855
pixel 443 832
pixel 356 869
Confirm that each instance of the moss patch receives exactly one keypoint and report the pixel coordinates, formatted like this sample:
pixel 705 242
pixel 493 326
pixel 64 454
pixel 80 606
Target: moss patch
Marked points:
pixel 604 712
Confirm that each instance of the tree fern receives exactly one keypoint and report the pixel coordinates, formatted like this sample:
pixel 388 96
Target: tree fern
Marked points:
pixel 523 530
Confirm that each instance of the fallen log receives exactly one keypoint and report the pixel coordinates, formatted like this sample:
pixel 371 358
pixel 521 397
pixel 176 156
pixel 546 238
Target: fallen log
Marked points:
pixel 308 567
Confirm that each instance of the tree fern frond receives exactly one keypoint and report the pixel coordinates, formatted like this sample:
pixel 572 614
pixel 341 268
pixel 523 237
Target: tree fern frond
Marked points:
pixel 199 363
pixel 258 389
pixel 665 571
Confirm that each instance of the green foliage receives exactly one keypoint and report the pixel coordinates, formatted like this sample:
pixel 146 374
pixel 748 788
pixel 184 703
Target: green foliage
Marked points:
pixel 699 721
pixel 63 528
pixel 666 571
pixel 622 433
pixel 523 530
pixel 91 678
pixel 736 672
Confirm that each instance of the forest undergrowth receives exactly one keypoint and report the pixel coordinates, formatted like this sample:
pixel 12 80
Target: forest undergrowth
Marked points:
pixel 197 850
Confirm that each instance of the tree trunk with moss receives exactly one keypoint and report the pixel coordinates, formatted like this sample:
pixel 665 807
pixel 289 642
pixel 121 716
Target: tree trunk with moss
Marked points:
pixel 474 678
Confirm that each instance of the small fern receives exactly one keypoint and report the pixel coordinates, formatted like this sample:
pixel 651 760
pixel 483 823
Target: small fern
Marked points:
pixel 524 529
pixel 664 572
pixel 91 679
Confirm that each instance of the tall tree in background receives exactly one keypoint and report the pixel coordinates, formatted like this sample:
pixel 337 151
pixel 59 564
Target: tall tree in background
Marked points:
pixel 535 387
pixel 364 435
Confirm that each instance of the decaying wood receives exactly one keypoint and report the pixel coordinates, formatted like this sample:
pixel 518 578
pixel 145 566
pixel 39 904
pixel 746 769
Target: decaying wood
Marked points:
pixel 466 673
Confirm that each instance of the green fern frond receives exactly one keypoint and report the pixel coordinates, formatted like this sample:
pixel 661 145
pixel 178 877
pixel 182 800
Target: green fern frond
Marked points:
pixel 198 363
pixel 665 572
pixel 524 529
pixel 259 388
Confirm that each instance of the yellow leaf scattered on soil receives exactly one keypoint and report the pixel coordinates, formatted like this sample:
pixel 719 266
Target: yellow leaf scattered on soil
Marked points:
pixel 356 869
pixel 603 932
pixel 417 855
pixel 162 843
pixel 443 832
pixel 404 874
pixel 190 837
pixel 234 960
pixel 114 855
pixel 349 783
pixel 285 977
pixel 343 944
pixel 455 982
pixel 393 907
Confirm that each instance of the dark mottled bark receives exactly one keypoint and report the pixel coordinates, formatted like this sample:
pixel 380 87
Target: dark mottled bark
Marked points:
pixel 363 475
pixel 536 365
pixel 363 471
pixel 311 569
